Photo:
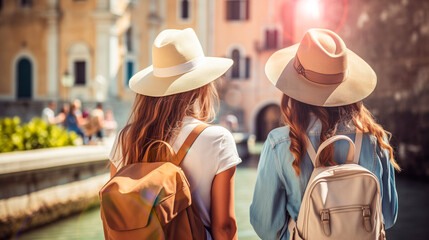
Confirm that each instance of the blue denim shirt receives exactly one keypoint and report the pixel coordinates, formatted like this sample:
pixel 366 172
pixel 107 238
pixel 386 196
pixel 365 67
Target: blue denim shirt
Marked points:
pixel 279 191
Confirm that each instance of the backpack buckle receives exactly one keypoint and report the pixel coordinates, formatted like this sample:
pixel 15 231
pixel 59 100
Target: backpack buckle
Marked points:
pixel 324 215
pixel 366 213
pixel 326 223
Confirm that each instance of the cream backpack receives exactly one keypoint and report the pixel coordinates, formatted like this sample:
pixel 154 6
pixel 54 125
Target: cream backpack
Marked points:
pixel 340 202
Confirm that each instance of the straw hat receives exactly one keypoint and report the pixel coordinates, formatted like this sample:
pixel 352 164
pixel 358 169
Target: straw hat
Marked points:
pixel 179 65
pixel 321 71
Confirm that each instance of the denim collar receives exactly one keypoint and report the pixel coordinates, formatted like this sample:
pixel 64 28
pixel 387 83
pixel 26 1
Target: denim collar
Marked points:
pixel 315 127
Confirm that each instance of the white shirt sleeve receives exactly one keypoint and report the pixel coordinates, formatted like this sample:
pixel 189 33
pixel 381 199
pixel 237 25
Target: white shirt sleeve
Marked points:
pixel 48 115
pixel 115 155
pixel 228 155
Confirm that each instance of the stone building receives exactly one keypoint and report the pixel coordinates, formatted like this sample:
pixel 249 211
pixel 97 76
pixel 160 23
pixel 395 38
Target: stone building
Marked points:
pixel 86 49
pixel 140 23
pixel 89 49
pixel 249 32
pixel 98 43
pixel 43 41
pixel 101 43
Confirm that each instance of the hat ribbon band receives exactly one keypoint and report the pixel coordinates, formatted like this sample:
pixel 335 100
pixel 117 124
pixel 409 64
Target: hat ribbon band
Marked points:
pixel 178 69
pixel 316 77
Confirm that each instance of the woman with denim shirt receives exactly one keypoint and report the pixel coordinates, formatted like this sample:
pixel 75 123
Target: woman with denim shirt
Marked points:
pixel 323 84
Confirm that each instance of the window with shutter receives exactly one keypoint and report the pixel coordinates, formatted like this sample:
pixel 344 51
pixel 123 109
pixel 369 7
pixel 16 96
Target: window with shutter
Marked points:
pixel 129 39
pixel 184 10
pixel 237 10
pixel 79 73
pixel 247 73
pixel 271 39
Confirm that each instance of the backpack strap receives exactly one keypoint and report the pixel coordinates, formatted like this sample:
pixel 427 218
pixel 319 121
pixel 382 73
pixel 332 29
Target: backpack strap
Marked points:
pixel 180 155
pixel 314 156
pixel 350 155
pixel 358 145
pixel 310 150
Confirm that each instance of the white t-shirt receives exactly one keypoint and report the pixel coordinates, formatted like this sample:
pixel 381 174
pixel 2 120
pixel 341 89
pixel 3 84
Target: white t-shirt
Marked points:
pixel 213 152
pixel 48 115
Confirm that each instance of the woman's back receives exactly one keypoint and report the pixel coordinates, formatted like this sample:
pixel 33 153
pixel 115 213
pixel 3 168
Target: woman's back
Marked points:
pixel 212 152
pixel 276 160
pixel 202 163
pixel 70 122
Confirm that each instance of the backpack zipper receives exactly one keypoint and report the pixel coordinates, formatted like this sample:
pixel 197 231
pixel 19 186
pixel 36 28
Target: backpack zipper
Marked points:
pixel 347 208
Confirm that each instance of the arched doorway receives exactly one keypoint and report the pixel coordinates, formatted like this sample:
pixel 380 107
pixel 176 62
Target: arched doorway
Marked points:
pixel 267 119
pixel 24 73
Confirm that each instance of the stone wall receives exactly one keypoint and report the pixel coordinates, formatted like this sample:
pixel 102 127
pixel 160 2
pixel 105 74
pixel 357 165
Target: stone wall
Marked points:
pixel 41 186
pixel 393 37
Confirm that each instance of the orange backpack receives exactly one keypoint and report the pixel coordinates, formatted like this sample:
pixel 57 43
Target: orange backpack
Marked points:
pixel 152 200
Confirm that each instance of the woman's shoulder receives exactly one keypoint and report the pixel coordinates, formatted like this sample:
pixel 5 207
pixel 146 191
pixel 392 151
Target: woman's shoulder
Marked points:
pixel 278 135
pixel 211 135
pixel 212 131
pixel 216 132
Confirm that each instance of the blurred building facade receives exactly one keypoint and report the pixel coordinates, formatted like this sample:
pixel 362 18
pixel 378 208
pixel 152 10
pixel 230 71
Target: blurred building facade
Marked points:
pixel 140 23
pixel 44 42
pixel 249 32
pixel 89 49
pixel 85 49
pixel 101 43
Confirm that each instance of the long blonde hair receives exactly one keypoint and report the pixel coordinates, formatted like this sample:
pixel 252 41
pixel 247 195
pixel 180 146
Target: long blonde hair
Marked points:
pixel 154 120
pixel 297 117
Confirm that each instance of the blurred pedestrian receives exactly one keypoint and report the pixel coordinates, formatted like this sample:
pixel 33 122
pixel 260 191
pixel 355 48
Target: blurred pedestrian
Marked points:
pixel 78 108
pixel 86 113
pixel 94 125
pixel 61 117
pixel 73 123
pixel 110 124
pixel 48 114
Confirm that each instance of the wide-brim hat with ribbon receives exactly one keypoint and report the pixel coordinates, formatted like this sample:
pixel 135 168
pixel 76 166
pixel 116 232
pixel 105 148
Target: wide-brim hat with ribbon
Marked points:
pixel 179 65
pixel 321 71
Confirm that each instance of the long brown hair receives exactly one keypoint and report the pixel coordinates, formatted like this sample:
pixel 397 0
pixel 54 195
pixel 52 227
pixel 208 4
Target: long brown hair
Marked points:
pixel 297 117
pixel 154 120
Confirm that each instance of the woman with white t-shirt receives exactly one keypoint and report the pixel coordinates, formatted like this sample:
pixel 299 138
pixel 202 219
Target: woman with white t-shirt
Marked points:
pixel 173 96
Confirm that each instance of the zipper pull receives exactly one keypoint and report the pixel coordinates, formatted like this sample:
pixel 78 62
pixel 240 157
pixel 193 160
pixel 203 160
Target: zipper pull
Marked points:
pixel 326 222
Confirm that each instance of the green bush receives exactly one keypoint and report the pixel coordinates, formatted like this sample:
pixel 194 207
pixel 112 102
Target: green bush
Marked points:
pixel 36 134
